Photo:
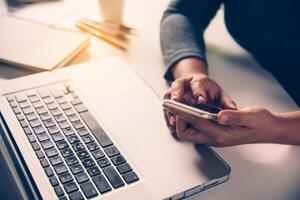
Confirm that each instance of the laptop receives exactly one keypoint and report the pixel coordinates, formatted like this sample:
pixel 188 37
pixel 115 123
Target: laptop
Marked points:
pixel 97 131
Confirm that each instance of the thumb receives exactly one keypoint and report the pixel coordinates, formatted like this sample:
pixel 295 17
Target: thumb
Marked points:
pixel 236 117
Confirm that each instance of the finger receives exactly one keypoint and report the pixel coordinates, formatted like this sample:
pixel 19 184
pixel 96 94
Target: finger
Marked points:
pixel 200 124
pixel 189 99
pixel 188 133
pixel 226 102
pixel 198 89
pixel 167 95
pixel 177 89
pixel 236 118
pixel 171 128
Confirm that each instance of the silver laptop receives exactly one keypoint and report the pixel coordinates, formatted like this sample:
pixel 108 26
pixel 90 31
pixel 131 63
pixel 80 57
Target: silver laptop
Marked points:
pixel 96 131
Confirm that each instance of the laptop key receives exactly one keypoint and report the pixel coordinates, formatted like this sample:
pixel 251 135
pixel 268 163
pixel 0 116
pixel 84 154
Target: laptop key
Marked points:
pixel 24 124
pixel 45 116
pixel 68 131
pixel 78 146
pixel 104 162
pixel 88 162
pixel 71 160
pixel 76 196
pixel 130 177
pixel 62 144
pixel 43 137
pixel 65 178
pixel 20 117
pixel 98 132
pixel 31 138
pixel 67 152
pixel 21 97
pixel 89 190
pixel 82 131
pixel 69 111
pixel 59 191
pixel 41 110
pixel 44 162
pixel 17 110
pixel 35 146
pixel 13 104
pixel 53 129
pixel 53 180
pixel 10 98
pixel 28 110
pixel 35 123
pixel 64 124
pixel 60 118
pixel 73 138
pixel 37 104
pixel 49 122
pixel 83 154
pixel 93 171
pixel 98 154
pixel 55 111
pixel 40 154
pixel 65 105
pixel 76 169
pixel 113 177
pixel 60 169
pixel 31 117
pixel 62 198
pixel 49 171
pixel 92 146
pixel 101 184
pixel 112 151
pixel 56 160
pixel 39 129
pixel 47 144
pixel 124 168
pixel 73 118
pixel 76 101
pixel 78 124
pixel 34 99
pixel 82 177
pixel 87 139
pixel 118 160
pixel 57 137
pixel 44 92
pixel 80 108
pixel 51 152
pixel 24 104
pixel 27 131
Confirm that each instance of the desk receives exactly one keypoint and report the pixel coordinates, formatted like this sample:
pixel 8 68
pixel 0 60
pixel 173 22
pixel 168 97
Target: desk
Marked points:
pixel 259 171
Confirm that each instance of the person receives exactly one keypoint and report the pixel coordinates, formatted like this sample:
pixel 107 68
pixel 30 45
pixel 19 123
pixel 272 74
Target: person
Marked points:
pixel 269 30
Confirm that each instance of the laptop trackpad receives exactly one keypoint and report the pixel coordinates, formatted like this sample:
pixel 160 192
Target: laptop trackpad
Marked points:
pixel 137 125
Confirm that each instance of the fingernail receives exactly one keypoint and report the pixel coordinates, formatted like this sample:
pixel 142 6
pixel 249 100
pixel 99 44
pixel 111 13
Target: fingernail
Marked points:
pixel 223 118
pixel 201 100
pixel 172 120
pixel 174 96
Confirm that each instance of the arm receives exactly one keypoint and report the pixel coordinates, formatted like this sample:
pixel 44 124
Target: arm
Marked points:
pixel 182 29
pixel 289 126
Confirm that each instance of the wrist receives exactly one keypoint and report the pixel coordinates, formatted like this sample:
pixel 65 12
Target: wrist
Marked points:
pixel 279 128
pixel 189 66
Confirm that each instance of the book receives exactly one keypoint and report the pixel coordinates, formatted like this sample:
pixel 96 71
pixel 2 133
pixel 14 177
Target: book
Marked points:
pixel 37 46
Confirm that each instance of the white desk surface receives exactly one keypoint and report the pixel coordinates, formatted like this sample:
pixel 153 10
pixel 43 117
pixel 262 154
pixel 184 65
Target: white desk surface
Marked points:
pixel 259 171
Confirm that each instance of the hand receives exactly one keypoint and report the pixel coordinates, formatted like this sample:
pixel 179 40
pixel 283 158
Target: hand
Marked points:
pixel 196 89
pixel 249 125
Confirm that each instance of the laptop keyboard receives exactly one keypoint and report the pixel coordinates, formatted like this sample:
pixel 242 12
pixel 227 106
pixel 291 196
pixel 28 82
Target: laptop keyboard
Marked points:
pixel 77 155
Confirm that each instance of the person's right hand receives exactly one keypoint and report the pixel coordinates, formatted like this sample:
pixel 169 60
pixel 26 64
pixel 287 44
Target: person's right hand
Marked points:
pixel 194 89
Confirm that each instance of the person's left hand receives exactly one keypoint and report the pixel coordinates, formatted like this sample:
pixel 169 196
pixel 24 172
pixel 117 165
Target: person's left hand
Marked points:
pixel 248 125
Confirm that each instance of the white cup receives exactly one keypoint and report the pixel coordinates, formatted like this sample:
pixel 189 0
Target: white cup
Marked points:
pixel 112 10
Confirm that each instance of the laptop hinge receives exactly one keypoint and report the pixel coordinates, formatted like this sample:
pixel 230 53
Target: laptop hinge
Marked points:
pixel 16 167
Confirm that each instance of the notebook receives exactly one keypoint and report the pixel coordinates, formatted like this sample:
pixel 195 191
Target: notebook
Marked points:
pixel 37 46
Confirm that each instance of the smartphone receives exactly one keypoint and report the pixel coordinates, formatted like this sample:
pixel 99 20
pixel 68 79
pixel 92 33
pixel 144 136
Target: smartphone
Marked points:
pixel 202 111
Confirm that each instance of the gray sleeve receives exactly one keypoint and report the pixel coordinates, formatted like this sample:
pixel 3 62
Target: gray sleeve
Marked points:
pixel 182 28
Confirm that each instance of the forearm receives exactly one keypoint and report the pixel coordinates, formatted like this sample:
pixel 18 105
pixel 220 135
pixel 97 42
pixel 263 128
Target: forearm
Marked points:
pixel 182 28
pixel 289 127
